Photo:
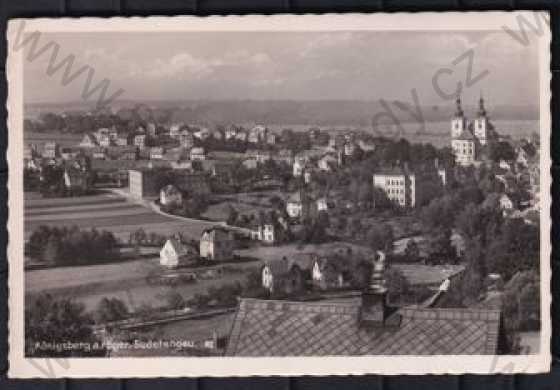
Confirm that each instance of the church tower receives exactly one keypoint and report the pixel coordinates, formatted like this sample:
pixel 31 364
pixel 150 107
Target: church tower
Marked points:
pixel 459 122
pixel 481 123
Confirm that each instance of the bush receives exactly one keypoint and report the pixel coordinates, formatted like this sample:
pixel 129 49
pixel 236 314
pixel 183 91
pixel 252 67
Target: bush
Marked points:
pixel 71 246
pixel 59 321
pixel 111 309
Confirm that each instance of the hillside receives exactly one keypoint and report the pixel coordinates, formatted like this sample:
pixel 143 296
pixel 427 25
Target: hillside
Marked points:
pixel 324 113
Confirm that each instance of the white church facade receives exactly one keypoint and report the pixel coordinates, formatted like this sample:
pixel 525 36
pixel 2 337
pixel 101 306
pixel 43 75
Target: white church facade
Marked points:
pixel 469 137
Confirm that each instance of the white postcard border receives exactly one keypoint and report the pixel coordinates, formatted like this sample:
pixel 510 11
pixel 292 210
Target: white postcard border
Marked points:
pixel 21 367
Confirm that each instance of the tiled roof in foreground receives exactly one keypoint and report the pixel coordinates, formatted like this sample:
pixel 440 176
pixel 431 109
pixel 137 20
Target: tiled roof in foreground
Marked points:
pixel 284 328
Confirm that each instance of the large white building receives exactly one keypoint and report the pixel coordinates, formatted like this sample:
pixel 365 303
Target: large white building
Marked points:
pixel 398 184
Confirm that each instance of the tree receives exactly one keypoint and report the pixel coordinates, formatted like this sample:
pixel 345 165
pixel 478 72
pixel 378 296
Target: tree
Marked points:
pixel 174 300
pixel 441 251
pixel 412 251
pixel 515 249
pixel 501 151
pixel 233 214
pixel 476 220
pixel 381 237
pixel 111 309
pixel 54 322
pixel 397 286
pixel 439 213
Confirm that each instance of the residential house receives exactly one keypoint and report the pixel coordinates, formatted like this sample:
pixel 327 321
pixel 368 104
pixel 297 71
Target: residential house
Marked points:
pixel 271 138
pixel 250 163
pixel 287 275
pixel 525 154
pixel 99 153
pixel 337 142
pixel 33 164
pixel 328 273
pixel 307 175
pixel 170 196
pixel 349 148
pixel 257 134
pixel 142 183
pixel 217 243
pixel 122 140
pixel 269 229
pixel 327 163
pixel 366 146
pixel 51 150
pixel 505 165
pixel 285 156
pixel 127 152
pixel 198 154
pixel 113 135
pixel 75 180
pixel 174 253
pixel 186 139
pixel 264 231
pixel 260 156
pixel 298 205
pixel 364 324
pixel 506 203
pixel 103 137
pixel 156 153
pixel 231 132
pixel 241 136
pixel 202 134
pixel 175 130
pixel 182 165
pixel 69 153
pixel 299 166
pixel 313 132
pixel 88 141
pixel 322 204
pixel 140 141
pixel 30 152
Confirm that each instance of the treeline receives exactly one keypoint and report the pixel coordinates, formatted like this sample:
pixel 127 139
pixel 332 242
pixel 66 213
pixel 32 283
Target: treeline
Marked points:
pixel 493 244
pixel 71 246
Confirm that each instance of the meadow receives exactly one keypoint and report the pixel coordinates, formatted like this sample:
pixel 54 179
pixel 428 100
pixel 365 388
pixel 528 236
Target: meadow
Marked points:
pixel 104 211
pixel 125 280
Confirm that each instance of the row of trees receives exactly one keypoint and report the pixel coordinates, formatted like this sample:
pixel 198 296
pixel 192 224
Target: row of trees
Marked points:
pixel 71 246
pixel 492 243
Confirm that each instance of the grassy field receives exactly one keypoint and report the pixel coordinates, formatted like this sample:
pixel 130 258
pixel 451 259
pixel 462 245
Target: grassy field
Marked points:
pixel 106 211
pixel 125 281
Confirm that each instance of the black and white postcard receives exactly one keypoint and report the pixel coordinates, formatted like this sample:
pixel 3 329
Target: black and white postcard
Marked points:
pixel 279 195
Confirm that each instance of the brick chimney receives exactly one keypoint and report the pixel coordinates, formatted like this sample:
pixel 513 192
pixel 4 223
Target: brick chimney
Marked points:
pixel 374 299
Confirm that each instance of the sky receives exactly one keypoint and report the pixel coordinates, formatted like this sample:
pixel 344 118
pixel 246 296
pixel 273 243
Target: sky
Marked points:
pixel 345 65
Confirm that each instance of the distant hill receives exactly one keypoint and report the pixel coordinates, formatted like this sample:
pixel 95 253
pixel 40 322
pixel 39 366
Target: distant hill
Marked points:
pixel 284 112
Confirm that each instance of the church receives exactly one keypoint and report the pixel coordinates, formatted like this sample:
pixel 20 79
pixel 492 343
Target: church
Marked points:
pixel 468 138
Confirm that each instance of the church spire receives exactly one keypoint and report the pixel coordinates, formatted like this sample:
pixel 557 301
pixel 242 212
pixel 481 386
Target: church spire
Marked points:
pixel 459 112
pixel 481 109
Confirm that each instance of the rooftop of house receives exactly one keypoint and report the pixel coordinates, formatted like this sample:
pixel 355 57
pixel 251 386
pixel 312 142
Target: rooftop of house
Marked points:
pixel 391 171
pixel 179 248
pixel 304 261
pixel 170 189
pixel 327 328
